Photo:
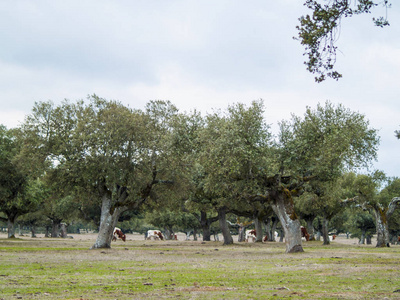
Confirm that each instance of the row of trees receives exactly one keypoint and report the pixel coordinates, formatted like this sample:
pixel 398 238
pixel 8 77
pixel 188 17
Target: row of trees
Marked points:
pixel 106 162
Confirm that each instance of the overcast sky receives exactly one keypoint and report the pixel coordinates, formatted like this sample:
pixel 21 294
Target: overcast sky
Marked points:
pixel 197 54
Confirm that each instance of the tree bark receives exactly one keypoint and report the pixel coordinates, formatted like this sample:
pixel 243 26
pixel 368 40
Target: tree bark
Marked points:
pixel 310 229
pixel 283 207
pixel 325 231
pixel 33 231
pixel 362 238
pixel 108 220
pixel 228 240
pixel 205 226
pixel 382 228
pixel 11 225
pixel 55 228
pixel 242 234
pixel 259 231
pixel 63 230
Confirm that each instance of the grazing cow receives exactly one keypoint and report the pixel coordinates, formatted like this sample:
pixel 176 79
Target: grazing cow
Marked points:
pixel 174 236
pixel 118 234
pixel 251 234
pixel 155 235
pixel 304 233
pixel 266 238
pixel 333 237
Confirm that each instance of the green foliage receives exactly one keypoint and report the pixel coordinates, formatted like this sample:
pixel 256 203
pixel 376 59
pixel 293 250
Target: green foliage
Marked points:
pixel 327 141
pixel 319 32
pixel 19 193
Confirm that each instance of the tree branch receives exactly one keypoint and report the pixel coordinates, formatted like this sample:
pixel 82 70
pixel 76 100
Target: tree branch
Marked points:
pixel 395 203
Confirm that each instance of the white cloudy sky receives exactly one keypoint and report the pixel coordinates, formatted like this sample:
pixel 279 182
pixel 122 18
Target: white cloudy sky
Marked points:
pixel 198 54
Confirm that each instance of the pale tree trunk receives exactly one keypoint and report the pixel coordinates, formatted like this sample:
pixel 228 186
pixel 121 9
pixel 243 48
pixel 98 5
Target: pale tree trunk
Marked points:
pixel 283 207
pixel 63 230
pixel 228 240
pixel 108 220
pixel 325 231
pixel 382 217
pixel 382 230
pixel 259 231
pixel 168 232
pixel 194 234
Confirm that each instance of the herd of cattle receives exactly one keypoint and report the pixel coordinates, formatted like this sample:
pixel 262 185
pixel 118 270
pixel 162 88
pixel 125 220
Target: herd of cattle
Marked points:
pixel 251 235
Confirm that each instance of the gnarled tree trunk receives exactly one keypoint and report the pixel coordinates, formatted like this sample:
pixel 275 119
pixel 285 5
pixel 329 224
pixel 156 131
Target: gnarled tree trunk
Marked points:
pixel 228 240
pixel 205 225
pixel 108 220
pixel 283 207
pixel 382 228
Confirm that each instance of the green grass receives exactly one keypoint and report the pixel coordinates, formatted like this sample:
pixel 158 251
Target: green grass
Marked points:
pixel 66 269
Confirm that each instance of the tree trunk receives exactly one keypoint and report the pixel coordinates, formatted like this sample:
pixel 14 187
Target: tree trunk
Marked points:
pixel 205 226
pixel 55 229
pixel 283 207
pixel 325 231
pixel 259 231
pixel 47 232
pixel 382 229
pixel 194 234
pixel 11 225
pixel 362 238
pixel 270 225
pixel 33 231
pixel 369 242
pixel 310 229
pixel 228 240
pixel 63 230
pixel 242 234
pixel 281 235
pixel 108 220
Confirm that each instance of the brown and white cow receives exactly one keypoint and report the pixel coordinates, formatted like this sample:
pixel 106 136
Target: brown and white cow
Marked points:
pixel 154 234
pixel 251 234
pixel 266 238
pixel 118 234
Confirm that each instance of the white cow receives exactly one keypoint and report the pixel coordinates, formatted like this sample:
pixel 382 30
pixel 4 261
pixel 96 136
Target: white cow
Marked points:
pixel 154 234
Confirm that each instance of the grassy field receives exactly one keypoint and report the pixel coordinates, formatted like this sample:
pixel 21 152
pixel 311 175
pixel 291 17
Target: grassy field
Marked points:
pixel 66 269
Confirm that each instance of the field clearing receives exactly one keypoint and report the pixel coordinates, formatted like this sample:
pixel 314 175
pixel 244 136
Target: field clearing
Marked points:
pixel 44 268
